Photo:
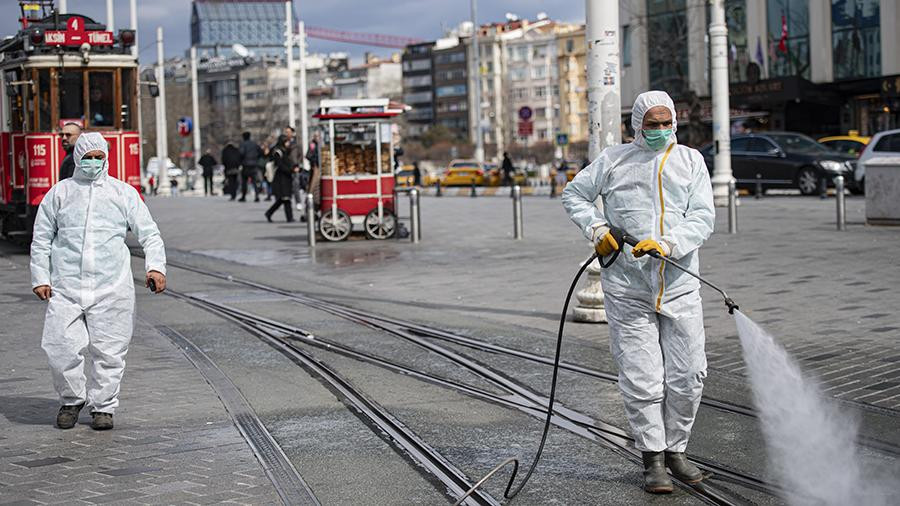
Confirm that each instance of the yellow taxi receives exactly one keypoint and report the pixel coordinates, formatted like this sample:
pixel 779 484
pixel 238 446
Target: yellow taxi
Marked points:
pixel 852 143
pixel 464 173
pixel 495 176
pixel 405 176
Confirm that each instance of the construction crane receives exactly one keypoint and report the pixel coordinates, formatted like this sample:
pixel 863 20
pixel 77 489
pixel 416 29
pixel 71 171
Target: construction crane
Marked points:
pixel 365 39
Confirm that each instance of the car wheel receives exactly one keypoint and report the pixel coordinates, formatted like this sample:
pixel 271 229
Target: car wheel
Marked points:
pixel 808 181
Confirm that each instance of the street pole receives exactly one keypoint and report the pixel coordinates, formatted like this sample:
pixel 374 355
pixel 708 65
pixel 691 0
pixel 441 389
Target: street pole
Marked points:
pixel 110 17
pixel 604 107
pixel 63 7
pixel 304 113
pixel 162 144
pixel 289 48
pixel 195 109
pixel 479 135
pixel 718 42
pixel 133 25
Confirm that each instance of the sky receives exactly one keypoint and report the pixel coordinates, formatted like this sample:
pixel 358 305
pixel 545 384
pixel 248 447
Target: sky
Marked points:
pixel 421 19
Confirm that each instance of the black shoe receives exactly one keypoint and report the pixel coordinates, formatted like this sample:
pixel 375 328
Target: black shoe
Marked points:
pixel 291 220
pixel 101 421
pixel 68 416
pixel 303 219
pixel 269 217
pixel 242 200
pixel 656 480
pixel 682 468
pixel 256 200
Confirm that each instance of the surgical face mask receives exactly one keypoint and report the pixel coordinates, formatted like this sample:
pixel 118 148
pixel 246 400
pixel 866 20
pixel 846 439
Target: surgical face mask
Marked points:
pixel 657 139
pixel 91 167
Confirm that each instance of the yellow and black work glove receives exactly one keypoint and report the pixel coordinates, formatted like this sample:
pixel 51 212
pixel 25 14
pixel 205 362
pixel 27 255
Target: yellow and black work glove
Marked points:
pixel 646 246
pixel 606 245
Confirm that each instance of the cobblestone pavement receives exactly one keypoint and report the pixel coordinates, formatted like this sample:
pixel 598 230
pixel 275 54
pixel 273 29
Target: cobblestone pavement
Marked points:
pixel 173 442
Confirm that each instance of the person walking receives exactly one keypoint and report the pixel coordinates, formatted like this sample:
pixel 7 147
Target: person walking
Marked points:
pixel 250 154
pixel 659 190
pixel 208 163
pixel 231 159
pixel 315 176
pixel 508 169
pixel 283 154
pixel 68 136
pixel 81 265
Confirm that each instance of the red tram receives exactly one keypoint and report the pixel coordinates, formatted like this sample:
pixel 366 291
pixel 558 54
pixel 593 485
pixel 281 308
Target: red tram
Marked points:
pixel 61 68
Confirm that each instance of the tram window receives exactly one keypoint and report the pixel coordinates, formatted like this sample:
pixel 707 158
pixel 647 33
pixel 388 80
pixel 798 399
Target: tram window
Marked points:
pixel 44 102
pixel 16 101
pixel 101 98
pixel 71 96
pixel 129 120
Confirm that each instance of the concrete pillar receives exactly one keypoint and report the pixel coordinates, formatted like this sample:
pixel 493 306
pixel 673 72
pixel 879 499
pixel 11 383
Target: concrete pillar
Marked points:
pixel 820 47
pixel 890 37
pixel 698 60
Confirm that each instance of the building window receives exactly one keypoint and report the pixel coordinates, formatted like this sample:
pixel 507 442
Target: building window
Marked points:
pixel 626 45
pixel 518 53
pixel 667 45
pixel 519 93
pixel 570 45
pixel 555 88
pixel 856 38
pixel 540 91
pixel 413 65
pixel 417 98
pixel 454 90
pixel 414 81
pixel 540 112
pixel 517 74
pixel 788 27
pixel 445 58
pixel 539 72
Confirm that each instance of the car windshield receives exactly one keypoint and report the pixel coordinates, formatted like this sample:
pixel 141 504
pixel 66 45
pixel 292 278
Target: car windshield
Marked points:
pixel 795 143
pixel 464 165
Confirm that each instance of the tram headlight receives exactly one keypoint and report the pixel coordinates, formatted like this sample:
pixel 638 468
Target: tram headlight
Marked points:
pixel 85 52
pixel 37 37
pixel 126 37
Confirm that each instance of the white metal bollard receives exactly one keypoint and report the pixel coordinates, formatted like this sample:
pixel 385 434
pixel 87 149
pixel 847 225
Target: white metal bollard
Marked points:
pixel 839 198
pixel 732 207
pixel 517 211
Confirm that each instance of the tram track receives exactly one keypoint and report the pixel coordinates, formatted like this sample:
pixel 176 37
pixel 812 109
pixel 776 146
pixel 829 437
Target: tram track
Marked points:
pixel 380 321
pixel 520 397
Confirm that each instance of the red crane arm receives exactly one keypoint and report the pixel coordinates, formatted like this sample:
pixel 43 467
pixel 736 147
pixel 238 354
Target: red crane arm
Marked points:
pixel 366 39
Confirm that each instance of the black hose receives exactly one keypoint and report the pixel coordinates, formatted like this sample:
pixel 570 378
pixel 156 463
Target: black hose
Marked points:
pixel 547 422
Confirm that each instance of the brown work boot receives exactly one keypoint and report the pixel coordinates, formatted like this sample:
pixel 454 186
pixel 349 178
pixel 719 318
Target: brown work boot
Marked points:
pixel 101 421
pixel 682 468
pixel 68 416
pixel 656 480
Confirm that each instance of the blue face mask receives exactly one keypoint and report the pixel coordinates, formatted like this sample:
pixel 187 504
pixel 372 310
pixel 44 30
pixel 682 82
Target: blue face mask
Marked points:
pixel 657 139
pixel 91 168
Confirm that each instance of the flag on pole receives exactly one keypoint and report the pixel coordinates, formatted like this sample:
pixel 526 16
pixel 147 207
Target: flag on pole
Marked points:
pixel 759 52
pixel 782 44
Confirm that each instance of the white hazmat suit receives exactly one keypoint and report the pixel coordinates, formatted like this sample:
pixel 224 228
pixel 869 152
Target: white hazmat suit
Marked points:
pixel 79 251
pixel 654 312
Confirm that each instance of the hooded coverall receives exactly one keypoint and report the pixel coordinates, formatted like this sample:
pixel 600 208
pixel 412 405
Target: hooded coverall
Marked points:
pixel 654 312
pixel 79 250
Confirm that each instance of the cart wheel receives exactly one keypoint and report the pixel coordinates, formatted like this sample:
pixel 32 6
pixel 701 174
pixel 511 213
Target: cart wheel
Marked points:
pixel 384 230
pixel 335 228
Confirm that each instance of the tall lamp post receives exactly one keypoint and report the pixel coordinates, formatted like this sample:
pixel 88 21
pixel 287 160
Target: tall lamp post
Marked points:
pixel 718 42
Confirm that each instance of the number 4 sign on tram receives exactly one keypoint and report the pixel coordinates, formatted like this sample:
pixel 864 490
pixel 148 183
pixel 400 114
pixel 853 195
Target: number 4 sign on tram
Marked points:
pixel 76 35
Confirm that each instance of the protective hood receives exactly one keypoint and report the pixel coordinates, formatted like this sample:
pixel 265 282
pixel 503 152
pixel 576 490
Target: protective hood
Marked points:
pixel 90 141
pixel 644 102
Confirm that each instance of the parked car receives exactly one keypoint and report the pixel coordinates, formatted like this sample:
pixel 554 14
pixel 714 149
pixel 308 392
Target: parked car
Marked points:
pixel 885 143
pixel 851 144
pixel 464 173
pixel 783 160
pixel 405 176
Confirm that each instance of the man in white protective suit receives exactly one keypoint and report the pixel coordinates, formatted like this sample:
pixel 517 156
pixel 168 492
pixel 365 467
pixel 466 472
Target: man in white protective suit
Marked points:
pixel 659 191
pixel 81 265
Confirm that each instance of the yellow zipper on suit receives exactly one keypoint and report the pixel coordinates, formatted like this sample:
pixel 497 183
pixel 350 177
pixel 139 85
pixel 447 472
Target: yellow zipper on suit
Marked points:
pixel 662 216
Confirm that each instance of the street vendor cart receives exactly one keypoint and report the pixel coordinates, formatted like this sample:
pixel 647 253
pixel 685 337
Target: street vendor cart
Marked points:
pixel 357 159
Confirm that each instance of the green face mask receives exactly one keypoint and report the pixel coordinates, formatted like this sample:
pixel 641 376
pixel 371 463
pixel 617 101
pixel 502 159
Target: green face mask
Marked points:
pixel 657 139
pixel 91 168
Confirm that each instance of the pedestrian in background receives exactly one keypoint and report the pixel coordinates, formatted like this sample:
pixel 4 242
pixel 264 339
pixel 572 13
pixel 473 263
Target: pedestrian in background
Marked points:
pixel 417 175
pixel 508 169
pixel 315 176
pixel 231 159
pixel 250 154
pixel 208 163
pixel 69 136
pixel 82 266
pixel 285 168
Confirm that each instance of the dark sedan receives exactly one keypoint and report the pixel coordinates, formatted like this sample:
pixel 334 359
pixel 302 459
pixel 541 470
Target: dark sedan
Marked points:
pixel 783 160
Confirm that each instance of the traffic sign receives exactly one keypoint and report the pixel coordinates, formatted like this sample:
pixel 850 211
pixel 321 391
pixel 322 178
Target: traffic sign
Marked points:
pixel 526 128
pixel 562 139
pixel 185 126
pixel 525 113
pixel 76 35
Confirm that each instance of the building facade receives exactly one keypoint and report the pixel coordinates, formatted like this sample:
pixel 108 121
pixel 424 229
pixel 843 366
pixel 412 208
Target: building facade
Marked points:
pixel 572 69
pixel 418 88
pixel 374 79
pixel 451 87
